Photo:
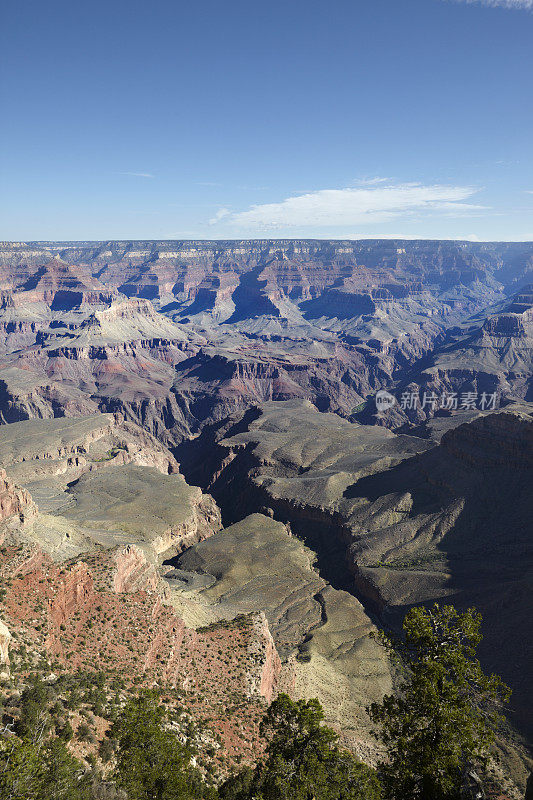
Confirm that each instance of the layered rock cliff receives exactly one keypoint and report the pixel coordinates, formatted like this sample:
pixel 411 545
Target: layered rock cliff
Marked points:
pixel 241 322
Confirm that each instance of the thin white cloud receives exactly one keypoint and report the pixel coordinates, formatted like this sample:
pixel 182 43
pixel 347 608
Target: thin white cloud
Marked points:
pixel 353 206
pixel 139 174
pixel 352 236
pixel 371 181
pixel 221 214
pixel 526 5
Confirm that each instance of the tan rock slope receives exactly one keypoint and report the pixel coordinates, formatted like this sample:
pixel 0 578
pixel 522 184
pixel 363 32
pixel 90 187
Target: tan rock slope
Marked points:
pixel 321 633
pixel 399 520
pixel 100 482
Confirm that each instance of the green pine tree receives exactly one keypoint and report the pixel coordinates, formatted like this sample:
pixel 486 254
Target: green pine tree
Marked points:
pixel 303 761
pixel 152 764
pixel 44 771
pixel 443 719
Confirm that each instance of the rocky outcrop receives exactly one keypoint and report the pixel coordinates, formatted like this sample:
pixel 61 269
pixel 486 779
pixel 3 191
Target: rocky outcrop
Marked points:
pixel 134 572
pixel 118 356
pixel 99 481
pixel 75 591
pixel 14 500
pixel 503 439
pixel 264 676
pixel 5 639
pixel 64 449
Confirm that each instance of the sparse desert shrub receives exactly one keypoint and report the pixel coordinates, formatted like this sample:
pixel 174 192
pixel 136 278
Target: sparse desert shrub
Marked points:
pixel 84 733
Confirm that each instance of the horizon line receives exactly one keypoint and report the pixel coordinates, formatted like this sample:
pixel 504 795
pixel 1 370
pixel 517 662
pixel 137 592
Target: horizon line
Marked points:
pixel 45 242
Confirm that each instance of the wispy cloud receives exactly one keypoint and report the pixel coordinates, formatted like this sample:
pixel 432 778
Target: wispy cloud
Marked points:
pixel 139 174
pixel 221 214
pixel 526 5
pixel 208 183
pixel 372 181
pixel 353 206
pixel 351 236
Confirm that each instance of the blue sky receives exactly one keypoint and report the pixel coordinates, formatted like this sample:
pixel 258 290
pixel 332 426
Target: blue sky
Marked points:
pixel 340 119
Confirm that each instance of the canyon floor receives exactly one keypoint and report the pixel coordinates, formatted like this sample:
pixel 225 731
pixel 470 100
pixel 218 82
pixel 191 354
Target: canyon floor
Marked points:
pixel 198 489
